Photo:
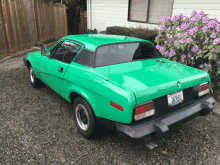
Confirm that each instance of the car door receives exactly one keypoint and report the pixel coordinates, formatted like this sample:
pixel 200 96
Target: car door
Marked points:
pixel 59 62
pixel 42 64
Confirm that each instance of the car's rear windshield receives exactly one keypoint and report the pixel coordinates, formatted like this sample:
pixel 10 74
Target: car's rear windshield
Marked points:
pixel 125 52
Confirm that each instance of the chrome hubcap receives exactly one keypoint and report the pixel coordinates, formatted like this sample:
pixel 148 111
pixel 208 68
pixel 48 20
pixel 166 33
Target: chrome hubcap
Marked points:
pixel 82 117
pixel 32 75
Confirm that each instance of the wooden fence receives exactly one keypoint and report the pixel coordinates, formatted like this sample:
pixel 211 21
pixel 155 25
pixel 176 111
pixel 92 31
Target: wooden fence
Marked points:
pixel 24 23
pixel 83 22
pixel 60 21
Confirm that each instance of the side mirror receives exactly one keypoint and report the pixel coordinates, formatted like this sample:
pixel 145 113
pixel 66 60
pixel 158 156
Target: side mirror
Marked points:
pixel 44 53
pixel 42 46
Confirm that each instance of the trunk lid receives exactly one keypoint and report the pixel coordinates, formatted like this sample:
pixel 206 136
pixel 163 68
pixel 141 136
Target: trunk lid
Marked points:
pixel 150 79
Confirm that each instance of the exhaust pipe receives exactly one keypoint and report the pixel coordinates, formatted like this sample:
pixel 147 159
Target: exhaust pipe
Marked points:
pixel 151 145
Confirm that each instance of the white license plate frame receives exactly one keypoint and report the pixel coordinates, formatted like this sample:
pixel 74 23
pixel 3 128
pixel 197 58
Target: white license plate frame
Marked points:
pixel 175 98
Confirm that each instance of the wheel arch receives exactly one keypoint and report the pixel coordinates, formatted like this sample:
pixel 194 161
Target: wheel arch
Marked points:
pixel 85 95
pixel 28 64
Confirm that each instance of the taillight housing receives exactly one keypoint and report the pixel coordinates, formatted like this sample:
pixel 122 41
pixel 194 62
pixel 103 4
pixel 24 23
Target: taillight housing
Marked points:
pixel 203 89
pixel 144 111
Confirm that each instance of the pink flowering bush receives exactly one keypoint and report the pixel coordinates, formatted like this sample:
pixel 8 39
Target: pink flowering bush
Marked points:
pixel 193 41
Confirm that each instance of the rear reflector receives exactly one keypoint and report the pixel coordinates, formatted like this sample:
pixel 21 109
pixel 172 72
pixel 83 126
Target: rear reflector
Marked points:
pixel 203 89
pixel 120 108
pixel 144 111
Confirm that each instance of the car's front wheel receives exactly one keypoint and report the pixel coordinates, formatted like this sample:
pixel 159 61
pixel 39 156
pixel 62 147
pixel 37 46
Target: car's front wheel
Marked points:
pixel 34 81
pixel 84 118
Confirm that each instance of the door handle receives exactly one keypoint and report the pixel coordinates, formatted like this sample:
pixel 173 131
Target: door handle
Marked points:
pixel 60 69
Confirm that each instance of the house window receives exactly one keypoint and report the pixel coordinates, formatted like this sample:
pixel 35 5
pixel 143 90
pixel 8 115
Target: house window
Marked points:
pixel 150 11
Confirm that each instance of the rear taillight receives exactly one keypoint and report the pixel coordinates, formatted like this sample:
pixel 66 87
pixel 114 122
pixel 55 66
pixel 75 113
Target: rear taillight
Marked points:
pixel 144 111
pixel 203 89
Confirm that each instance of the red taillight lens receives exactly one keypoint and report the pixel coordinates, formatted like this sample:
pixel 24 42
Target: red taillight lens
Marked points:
pixel 140 110
pixel 203 87
pixel 120 108
pixel 144 108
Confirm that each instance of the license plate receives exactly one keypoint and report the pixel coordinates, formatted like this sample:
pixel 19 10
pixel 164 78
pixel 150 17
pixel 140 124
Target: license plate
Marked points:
pixel 175 98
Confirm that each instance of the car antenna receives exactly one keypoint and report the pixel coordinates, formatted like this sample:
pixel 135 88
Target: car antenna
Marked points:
pixel 108 74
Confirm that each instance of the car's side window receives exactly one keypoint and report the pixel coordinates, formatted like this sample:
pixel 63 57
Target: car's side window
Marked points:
pixel 74 49
pixel 55 48
pixel 66 52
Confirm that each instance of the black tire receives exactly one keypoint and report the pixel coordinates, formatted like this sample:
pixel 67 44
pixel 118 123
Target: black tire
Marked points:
pixel 36 83
pixel 84 115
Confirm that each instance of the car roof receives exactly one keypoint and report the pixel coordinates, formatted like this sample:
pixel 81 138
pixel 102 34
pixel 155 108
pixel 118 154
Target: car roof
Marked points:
pixel 92 41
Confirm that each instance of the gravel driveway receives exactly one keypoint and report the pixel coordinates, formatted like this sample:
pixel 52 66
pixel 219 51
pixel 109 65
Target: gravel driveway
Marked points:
pixel 36 127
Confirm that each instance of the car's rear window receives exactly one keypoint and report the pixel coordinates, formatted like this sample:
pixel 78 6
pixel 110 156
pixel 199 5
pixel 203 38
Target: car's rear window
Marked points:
pixel 125 52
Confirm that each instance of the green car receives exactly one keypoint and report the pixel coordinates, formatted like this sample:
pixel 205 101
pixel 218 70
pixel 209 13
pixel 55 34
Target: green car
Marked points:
pixel 123 83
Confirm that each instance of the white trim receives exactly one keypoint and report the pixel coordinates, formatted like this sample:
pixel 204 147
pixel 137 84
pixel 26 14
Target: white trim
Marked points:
pixel 204 83
pixel 145 114
pixel 204 92
pixel 89 14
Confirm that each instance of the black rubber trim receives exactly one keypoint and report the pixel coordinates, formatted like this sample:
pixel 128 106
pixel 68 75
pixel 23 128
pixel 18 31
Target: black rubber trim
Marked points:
pixel 146 41
pixel 24 59
pixel 159 127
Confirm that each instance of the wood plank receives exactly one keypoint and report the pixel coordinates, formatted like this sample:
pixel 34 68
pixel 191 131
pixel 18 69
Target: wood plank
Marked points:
pixel 18 27
pixel 189 11
pixel 11 9
pixel 107 14
pixel 197 1
pixel 34 22
pixel 3 41
pixel 6 23
pixel 101 8
pixel 195 6
pixel 114 2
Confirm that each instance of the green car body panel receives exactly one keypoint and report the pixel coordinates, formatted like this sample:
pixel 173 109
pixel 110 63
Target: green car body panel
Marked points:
pixel 129 83
pixel 149 79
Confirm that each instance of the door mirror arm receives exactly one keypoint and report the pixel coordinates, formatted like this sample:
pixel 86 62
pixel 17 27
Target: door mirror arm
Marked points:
pixel 44 52
pixel 43 47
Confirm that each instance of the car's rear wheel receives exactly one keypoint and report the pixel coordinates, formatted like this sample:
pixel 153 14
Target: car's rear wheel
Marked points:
pixel 36 83
pixel 84 118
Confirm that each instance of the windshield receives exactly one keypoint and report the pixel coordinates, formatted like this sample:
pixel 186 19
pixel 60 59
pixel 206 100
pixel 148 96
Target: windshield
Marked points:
pixel 126 52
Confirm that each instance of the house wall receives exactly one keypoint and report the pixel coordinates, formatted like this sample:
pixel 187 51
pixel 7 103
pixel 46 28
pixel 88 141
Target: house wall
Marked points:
pixel 104 13
pixel 211 7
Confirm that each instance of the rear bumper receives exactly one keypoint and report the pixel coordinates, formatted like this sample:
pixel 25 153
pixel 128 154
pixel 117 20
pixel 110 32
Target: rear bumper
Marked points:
pixel 157 129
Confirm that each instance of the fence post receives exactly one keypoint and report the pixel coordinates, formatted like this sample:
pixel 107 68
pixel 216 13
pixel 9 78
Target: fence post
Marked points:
pixel 34 21
pixel 34 24
pixel 5 20
pixel 13 24
pixel 65 18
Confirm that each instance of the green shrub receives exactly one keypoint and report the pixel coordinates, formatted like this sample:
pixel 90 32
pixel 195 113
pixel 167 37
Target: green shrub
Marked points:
pixel 143 33
pixel 193 41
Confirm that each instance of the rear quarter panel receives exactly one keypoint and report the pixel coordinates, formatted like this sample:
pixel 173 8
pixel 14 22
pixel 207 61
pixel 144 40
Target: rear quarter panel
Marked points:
pixel 98 92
